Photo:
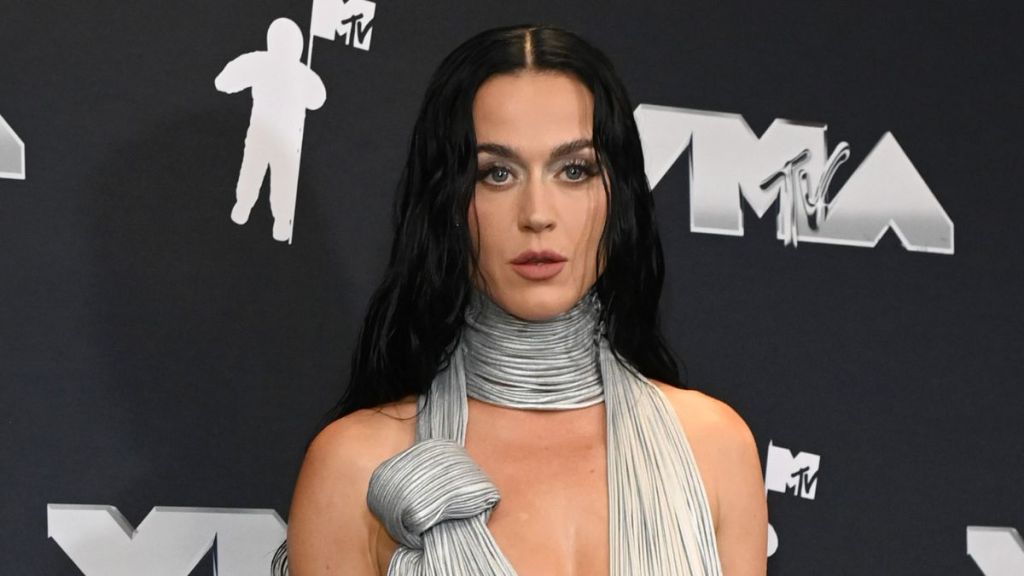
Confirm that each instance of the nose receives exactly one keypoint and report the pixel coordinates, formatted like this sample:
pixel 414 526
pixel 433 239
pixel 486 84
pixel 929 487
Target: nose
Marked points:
pixel 536 212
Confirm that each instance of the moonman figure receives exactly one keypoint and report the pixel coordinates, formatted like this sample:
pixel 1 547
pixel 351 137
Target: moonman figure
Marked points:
pixel 283 88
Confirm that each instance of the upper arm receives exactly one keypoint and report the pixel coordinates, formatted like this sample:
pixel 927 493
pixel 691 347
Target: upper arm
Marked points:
pixel 330 528
pixel 742 531
pixel 730 466
pixel 238 74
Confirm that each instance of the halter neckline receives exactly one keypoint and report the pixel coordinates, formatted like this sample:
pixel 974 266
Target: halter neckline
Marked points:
pixel 550 364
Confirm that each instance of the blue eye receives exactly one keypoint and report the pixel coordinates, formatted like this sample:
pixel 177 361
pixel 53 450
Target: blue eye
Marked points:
pixel 499 173
pixel 579 170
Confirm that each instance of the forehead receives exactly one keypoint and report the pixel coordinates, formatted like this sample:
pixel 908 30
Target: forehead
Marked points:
pixel 532 111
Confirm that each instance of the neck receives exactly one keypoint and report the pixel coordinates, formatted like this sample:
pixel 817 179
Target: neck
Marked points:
pixel 540 365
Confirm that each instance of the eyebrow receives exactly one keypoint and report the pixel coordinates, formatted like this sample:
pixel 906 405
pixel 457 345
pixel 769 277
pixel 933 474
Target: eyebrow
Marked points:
pixel 559 151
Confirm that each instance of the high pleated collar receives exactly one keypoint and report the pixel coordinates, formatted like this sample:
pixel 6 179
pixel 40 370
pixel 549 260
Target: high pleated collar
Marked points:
pixel 549 364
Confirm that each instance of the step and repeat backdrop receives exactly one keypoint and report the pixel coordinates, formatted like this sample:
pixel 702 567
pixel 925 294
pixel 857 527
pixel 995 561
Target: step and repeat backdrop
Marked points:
pixel 195 206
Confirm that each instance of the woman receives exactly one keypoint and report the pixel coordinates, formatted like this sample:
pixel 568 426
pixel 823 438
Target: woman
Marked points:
pixel 512 406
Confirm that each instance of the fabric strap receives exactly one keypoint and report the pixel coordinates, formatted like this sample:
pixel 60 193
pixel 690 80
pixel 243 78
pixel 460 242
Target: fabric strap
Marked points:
pixel 435 501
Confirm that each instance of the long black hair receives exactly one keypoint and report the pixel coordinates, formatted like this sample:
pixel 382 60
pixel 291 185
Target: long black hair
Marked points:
pixel 416 314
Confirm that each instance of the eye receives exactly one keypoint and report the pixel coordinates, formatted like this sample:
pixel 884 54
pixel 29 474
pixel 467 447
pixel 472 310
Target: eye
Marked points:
pixel 500 173
pixel 497 173
pixel 579 170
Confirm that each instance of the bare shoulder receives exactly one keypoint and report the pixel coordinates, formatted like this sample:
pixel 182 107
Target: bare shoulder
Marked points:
pixel 707 418
pixel 729 464
pixel 356 444
pixel 331 530
pixel 720 439
pixel 366 433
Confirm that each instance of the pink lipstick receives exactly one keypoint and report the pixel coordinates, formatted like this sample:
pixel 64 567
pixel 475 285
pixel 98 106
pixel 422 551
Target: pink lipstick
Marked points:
pixel 538 265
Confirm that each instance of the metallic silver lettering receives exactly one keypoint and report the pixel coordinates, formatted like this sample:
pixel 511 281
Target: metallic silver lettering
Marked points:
pixel 12 153
pixel 168 542
pixel 728 162
pixel 997 551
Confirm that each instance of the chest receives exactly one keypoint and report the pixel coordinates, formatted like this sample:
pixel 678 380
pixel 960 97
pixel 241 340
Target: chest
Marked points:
pixel 550 468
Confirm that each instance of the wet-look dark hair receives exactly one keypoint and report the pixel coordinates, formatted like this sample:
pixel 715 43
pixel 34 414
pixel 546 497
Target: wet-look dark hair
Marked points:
pixel 415 315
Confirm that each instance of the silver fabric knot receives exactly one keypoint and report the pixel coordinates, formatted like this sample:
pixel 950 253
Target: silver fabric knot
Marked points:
pixel 413 491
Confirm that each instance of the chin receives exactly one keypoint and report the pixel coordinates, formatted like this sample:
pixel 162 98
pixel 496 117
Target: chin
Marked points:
pixel 535 303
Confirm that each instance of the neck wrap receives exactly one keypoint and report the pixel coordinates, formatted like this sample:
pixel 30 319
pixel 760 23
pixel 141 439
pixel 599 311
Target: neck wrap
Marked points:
pixel 435 501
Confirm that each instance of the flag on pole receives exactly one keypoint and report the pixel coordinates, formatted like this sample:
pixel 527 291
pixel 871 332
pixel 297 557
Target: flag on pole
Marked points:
pixel 351 19
pixel 326 17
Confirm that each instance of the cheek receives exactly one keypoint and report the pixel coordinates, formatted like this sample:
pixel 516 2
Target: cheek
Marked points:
pixel 471 225
pixel 482 228
pixel 596 215
pixel 601 257
pixel 487 223
pixel 595 228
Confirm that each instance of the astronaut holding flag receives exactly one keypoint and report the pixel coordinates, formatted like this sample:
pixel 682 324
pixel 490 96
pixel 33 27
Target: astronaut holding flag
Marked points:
pixel 351 19
pixel 282 90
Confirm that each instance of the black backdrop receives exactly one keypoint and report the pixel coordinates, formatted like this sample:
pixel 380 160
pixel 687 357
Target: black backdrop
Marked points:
pixel 153 353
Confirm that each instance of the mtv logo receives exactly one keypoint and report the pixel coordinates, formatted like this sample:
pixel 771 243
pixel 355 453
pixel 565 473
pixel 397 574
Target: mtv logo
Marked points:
pixel 788 474
pixel 12 153
pixel 790 163
pixel 351 20
pixel 356 27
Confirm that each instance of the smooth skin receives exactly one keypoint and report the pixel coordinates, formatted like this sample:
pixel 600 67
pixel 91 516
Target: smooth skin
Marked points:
pixel 537 189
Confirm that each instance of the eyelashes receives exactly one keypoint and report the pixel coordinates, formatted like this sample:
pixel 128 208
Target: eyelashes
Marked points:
pixel 484 173
pixel 577 170
pixel 584 168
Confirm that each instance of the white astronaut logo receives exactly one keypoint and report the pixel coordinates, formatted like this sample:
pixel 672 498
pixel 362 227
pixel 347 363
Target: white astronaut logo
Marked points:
pixel 790 162
pixel 283 89
pixel 12 153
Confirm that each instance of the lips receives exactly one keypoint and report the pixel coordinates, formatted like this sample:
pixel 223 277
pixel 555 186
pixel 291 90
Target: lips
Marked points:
pixel 538 266
pixel 541 257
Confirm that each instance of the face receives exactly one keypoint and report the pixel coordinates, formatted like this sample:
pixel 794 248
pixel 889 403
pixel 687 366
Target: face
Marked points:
pixel 539 206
